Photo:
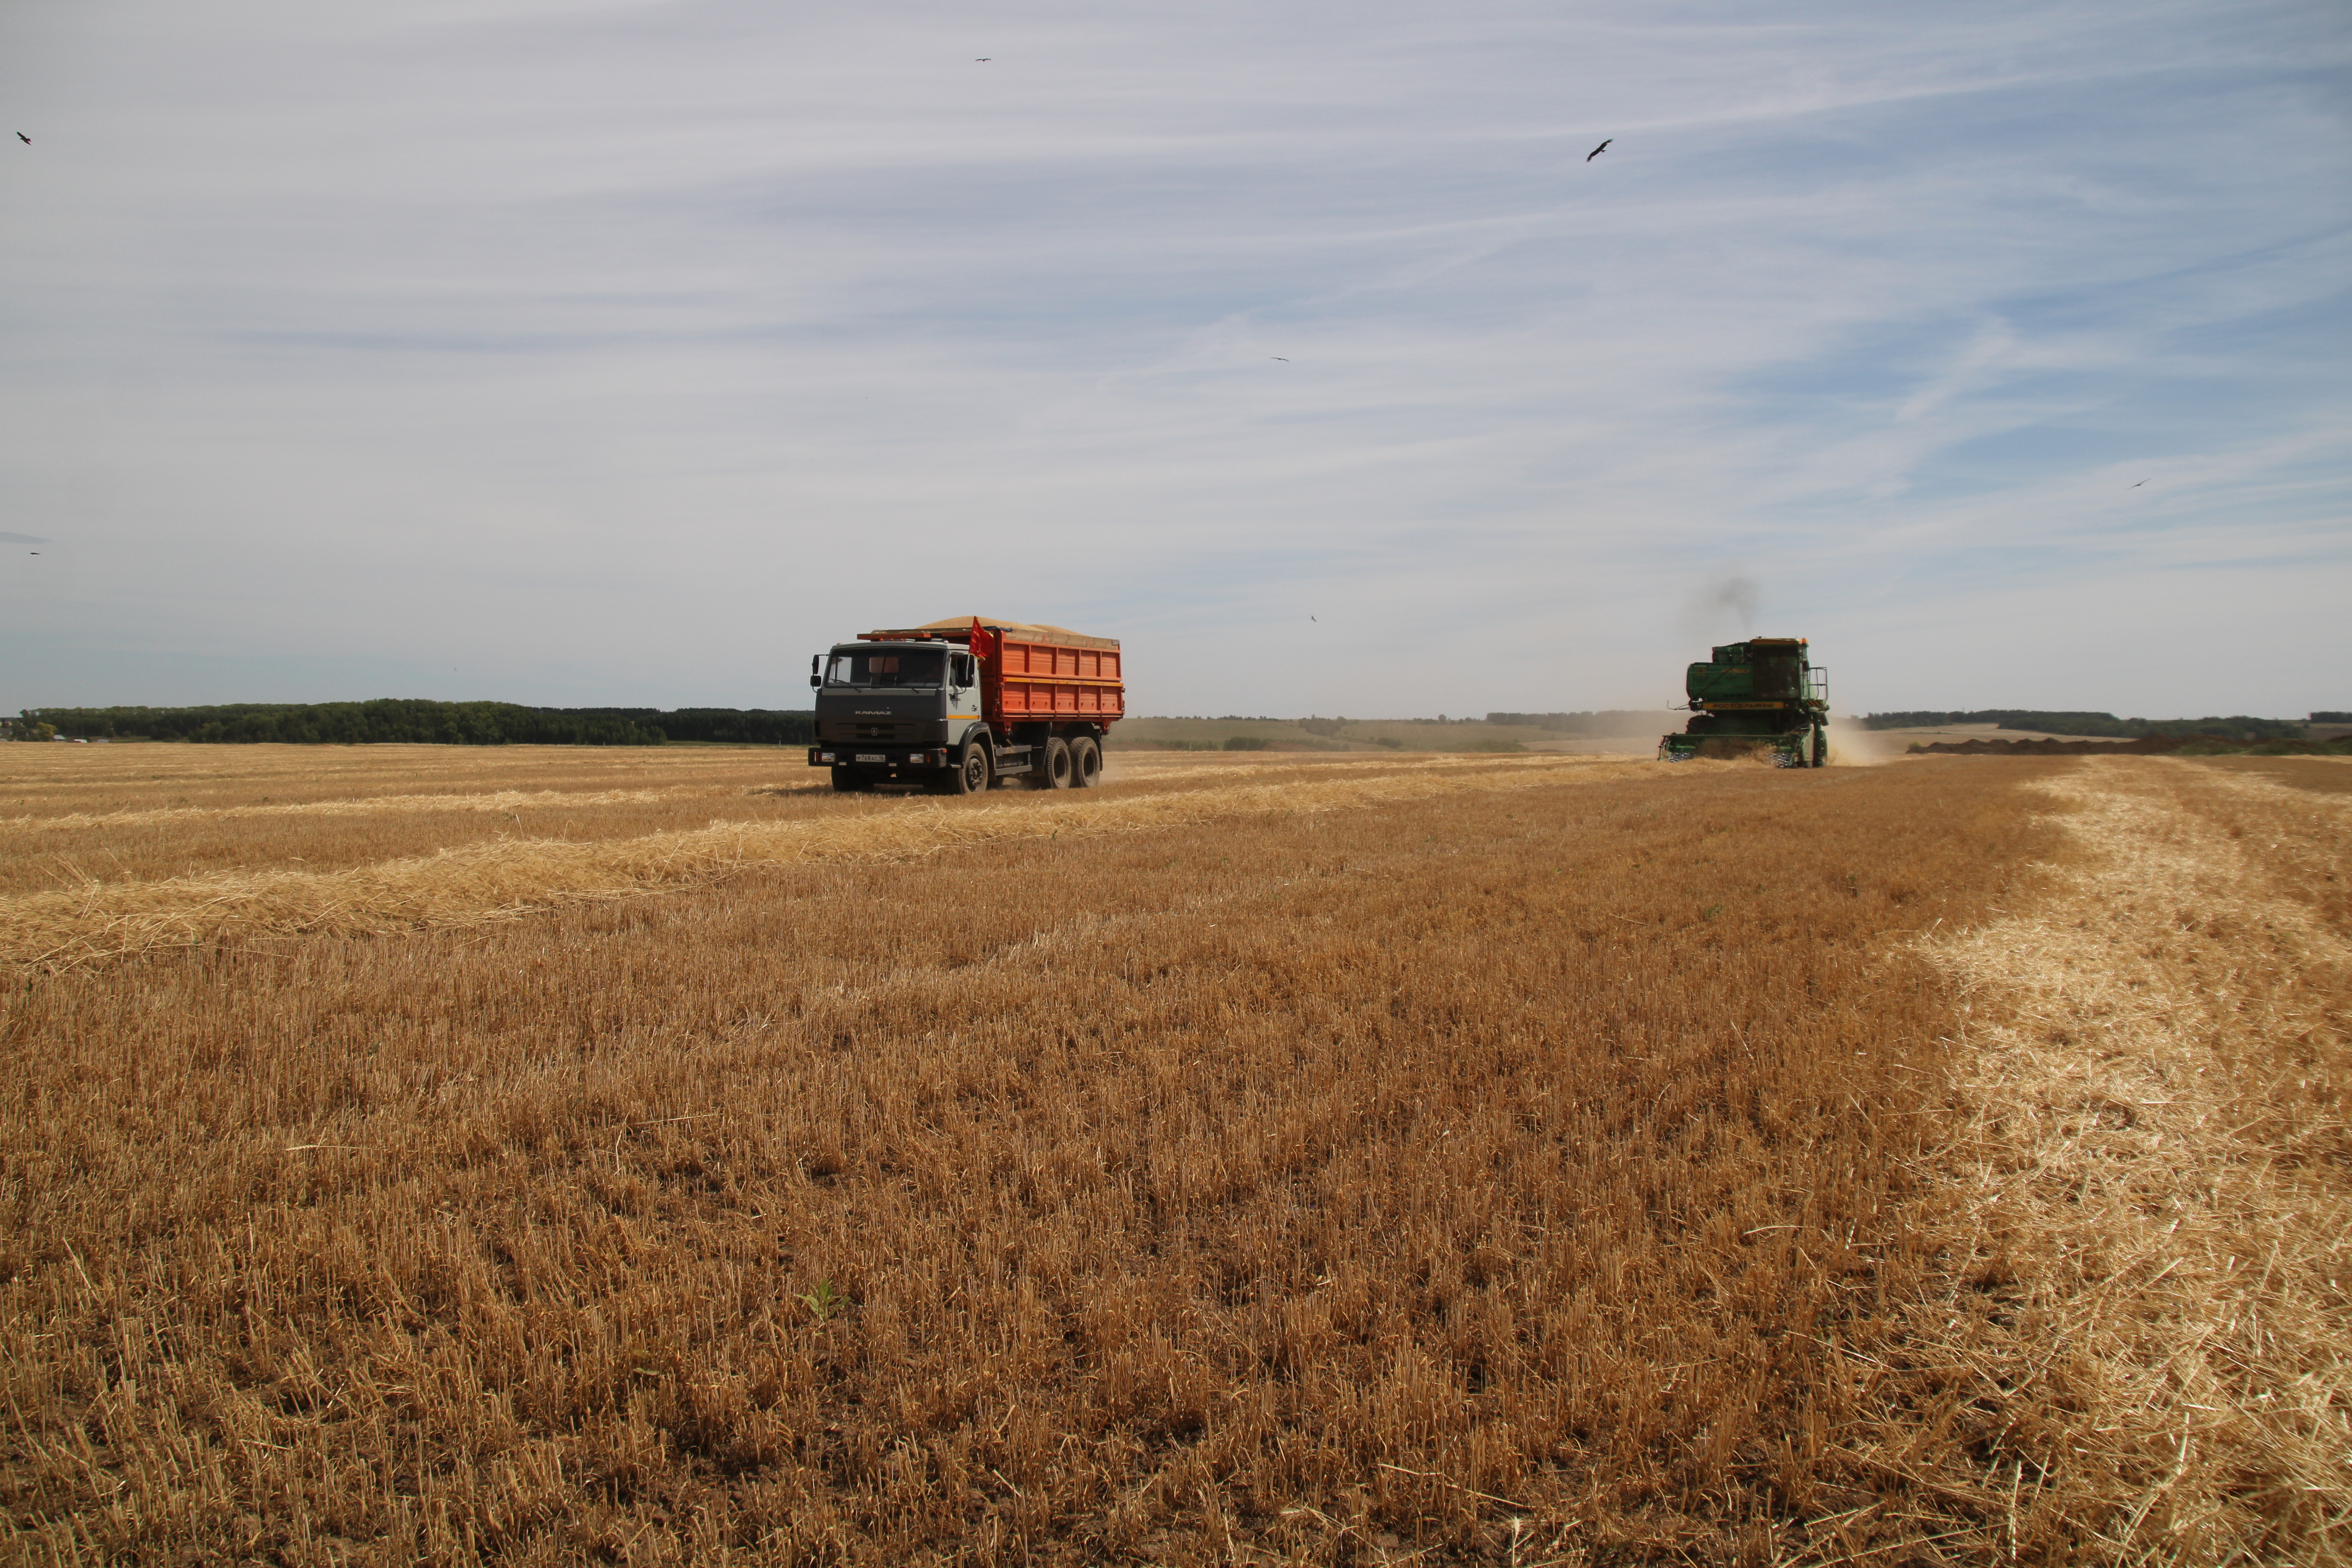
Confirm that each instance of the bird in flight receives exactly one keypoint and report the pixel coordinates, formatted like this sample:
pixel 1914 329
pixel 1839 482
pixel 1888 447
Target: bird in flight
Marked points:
pixel 1598 150
pixel 983 59
pixel 1279 357
pixel 2135 487
pixel 24 139
pixel 1312 618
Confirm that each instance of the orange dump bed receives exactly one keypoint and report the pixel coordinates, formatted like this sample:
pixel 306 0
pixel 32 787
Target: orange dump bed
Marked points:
pixel 1031 673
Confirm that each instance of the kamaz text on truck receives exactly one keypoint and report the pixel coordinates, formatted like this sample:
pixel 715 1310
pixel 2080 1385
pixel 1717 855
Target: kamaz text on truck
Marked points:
pixel 956 705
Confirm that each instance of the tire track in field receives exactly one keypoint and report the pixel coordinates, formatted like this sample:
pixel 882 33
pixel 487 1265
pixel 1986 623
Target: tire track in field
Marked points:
pixel 509 879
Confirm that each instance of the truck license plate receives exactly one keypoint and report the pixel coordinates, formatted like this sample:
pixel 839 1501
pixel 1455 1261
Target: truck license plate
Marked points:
pixel 871 757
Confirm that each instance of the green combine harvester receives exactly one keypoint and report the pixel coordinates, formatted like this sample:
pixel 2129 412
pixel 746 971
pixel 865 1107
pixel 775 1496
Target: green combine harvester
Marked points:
pixel 1757 696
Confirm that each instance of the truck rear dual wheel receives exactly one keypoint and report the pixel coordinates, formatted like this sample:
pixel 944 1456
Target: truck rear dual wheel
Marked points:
pixel 1085 762
pixel 1052 765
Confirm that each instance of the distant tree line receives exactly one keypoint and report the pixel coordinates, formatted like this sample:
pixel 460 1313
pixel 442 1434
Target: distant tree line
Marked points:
pixel 2238 726
pixel 420 721
pixel 1608 722
pixel 743 726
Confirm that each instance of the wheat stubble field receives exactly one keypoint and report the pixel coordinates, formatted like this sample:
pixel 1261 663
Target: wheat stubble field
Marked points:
pixel 623 1156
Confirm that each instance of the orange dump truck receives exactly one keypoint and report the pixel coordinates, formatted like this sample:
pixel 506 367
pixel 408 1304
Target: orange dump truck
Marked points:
pixel 956 705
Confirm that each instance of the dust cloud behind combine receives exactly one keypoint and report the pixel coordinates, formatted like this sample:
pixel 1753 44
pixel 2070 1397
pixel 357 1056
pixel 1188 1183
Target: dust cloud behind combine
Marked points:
pixel 1852 746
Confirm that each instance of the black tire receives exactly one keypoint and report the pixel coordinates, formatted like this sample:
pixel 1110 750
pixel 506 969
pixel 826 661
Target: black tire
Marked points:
pixel 971 774
pixel 847 782
pixel 1820 748
pixel 1085 762
pixel 1053 764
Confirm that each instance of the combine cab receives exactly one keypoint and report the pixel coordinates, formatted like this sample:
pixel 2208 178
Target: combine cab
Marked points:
pixel 1757 697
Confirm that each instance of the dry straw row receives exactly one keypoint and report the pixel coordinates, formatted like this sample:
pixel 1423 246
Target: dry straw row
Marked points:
pixel 507 800
pixel 2157 1159
pixel 511 877
pixel 514 800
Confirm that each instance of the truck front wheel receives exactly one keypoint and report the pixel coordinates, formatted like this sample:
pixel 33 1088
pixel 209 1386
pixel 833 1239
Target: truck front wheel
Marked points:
pixel 970 775
pixel 1085 762
pixel 847 781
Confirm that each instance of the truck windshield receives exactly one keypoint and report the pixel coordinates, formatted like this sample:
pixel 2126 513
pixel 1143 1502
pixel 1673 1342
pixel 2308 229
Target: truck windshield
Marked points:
pixel 887 667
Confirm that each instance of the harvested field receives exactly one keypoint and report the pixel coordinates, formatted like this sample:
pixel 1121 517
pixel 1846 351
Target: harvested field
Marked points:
pixel 649 1157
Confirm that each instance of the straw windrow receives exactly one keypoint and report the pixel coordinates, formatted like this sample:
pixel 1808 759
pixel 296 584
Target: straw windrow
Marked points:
pixel 2156 1144
pixel 510 876
pixel 507 800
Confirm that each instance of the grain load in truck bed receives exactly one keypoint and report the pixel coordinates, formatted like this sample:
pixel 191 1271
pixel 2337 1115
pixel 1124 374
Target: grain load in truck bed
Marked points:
pixel 1031 631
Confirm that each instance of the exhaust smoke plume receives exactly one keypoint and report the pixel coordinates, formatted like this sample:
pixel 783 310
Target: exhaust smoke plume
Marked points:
pixel 1722 597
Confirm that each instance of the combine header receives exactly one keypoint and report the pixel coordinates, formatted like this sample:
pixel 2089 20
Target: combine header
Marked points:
pixel 1756 696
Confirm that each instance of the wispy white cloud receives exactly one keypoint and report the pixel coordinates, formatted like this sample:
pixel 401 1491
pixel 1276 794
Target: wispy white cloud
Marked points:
pixel 627 351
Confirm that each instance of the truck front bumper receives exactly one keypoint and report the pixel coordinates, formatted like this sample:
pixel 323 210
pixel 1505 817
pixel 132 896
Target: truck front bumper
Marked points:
pixel 876 757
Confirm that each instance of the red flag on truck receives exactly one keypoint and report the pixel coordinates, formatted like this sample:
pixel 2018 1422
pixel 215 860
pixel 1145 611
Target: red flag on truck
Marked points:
pixel 983 643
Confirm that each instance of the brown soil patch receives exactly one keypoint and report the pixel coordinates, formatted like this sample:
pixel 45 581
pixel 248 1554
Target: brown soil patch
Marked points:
pixel 2321 776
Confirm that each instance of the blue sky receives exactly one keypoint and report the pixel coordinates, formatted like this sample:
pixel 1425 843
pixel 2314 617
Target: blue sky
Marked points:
pixel 628 352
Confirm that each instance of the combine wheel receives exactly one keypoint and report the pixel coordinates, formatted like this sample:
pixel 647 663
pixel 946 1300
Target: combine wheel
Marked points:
pixel 1820 748
pixel 1052 767
pixel 971 774
pixel 1085 762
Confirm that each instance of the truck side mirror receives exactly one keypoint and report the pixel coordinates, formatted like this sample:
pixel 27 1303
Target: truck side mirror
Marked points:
pixel 814 678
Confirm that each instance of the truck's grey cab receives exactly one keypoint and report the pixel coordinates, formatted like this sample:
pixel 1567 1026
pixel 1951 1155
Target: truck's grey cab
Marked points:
pixel 895 696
